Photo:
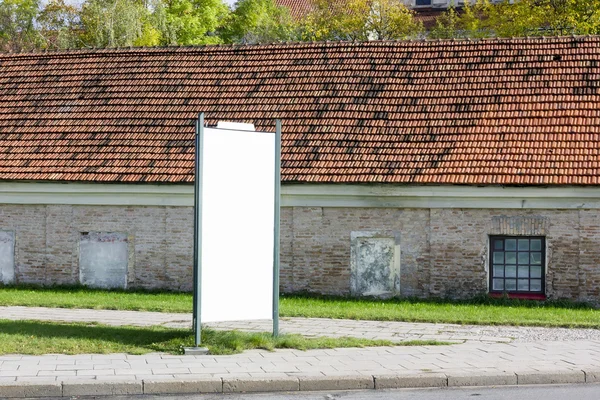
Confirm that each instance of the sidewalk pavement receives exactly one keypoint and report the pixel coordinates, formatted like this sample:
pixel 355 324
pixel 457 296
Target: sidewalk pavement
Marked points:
pixel 476 361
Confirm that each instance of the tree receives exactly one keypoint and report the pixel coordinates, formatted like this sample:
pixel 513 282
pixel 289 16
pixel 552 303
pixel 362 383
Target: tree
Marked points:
pixel 17 25
pixel 58 24
pixel 117 23
pixel 360 20
pixel 522 18
pixel 192 22
pixel 447 25
pixel 256 21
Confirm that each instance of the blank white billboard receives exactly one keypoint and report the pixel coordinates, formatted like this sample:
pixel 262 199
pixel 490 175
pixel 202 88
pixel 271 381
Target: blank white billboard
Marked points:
pixel 238 181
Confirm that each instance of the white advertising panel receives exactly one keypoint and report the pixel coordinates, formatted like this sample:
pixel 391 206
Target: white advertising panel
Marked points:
pixel 237 225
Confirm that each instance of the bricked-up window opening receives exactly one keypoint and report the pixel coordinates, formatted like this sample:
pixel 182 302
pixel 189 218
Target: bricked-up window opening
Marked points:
pixel 517 264
pixel 103 259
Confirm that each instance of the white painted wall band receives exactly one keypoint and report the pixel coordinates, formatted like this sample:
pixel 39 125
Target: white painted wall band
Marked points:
pixel 311 195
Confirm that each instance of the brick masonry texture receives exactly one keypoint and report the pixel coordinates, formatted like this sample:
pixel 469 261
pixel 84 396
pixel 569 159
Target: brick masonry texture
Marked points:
pixel 444 252
pixel 47 241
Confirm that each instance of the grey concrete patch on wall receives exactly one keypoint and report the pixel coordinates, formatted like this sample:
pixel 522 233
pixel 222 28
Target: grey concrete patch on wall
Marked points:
pixel 103 259
pixel 375 264
pixel 7 257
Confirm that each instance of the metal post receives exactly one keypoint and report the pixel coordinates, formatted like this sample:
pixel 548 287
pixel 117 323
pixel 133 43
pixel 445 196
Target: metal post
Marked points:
pixel 276 228
pixel 197 322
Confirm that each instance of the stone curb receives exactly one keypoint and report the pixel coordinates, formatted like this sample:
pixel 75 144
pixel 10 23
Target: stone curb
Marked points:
pixel 90 387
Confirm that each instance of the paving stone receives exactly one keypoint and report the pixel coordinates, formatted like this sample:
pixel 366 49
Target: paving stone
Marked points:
pixel 592 375
pixel 274 384
pixel 348 382
pixel 410 381
pixel 212 385
pixel 101 388
pixel 481 379
pixel 30 389
pixel 549 377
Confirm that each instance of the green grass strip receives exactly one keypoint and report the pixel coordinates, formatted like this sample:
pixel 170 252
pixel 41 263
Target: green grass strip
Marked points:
pixel 479 311
pixel 34 337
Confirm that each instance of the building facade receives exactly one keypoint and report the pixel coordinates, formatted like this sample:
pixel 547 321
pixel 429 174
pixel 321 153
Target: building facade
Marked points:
pixel 420 168
pixel 357 240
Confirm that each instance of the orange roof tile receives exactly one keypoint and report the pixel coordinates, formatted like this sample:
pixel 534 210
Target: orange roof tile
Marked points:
pixel 298 8
pixel 520 111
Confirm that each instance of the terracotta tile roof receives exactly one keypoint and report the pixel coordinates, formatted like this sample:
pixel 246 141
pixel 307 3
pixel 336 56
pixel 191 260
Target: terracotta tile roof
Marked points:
pixel 298 8
pixel 521 111
pixel 429 16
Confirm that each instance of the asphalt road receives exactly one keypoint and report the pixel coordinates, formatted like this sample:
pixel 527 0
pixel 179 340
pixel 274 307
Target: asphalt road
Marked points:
pixel 537 392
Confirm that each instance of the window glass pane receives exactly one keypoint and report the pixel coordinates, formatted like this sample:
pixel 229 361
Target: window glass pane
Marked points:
pixel 510 284
pixel 511 257
pixel 517 264
pixel 523 271
pixel 510 271
pixel 536 285
pixel 523 244
pixel 498 284
pixel 523 258
pixel 523 284
pixel 498 257
pixel 498 271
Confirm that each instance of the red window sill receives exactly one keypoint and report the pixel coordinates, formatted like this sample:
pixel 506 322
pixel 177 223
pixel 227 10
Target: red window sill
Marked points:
pixel 523 296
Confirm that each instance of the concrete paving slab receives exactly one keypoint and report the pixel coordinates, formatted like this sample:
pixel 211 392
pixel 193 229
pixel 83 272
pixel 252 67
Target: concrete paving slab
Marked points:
pixel 349 382
pixel 592 374
pixel 486 358
pixel 410 381
pixel 549 377
pixel 180 386
pixel 30 389
pixel 101 388
pixel 475 378
pixel 275 384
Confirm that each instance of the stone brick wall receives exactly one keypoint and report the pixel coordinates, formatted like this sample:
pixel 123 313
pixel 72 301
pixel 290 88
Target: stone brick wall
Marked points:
pixel 443 252
pixel 47 241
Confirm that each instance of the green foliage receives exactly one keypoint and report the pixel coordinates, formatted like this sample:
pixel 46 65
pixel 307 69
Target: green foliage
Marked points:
pixel 58 24
pixel 447 26
pixel 17 25
pixel 193 22
pixel 115 23
pixel 360 20
pixel 259 21
pixel 521 18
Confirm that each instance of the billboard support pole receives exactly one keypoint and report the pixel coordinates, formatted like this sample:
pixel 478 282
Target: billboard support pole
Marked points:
pixel 276 228
pixel 197 268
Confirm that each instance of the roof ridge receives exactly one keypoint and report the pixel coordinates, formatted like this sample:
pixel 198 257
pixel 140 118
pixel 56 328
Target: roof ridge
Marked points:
pixel 282 44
